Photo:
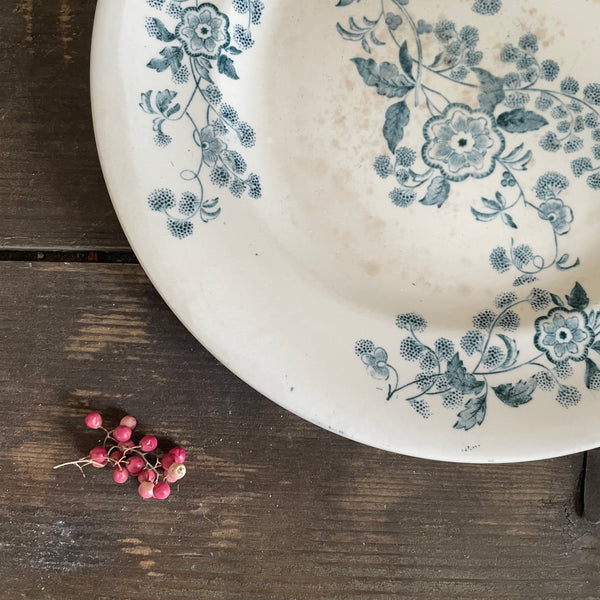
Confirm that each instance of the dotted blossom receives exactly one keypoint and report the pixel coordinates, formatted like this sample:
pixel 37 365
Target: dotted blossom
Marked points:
pixel 472 342
pixel 545 381
pixel 398 165
pixel 484 320
pixel 444 348
pixel 487 7
pixel 568 396
pixel 364 347
pixel 539 299
pixel 255 7
pixel 411 322
pixel 505 299
pixel 571 125
pixel 460 48
pixel 499 260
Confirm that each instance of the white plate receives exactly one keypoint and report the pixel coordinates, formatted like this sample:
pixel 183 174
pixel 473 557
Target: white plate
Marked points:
pixel 404 245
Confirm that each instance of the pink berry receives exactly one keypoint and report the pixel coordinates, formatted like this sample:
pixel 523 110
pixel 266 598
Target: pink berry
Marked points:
pixel 178 454
pixel 93 420
pixel 162 490
pixel 98 456
pixel 167 461
pixel 146 475
pixel 128 421
pixel 116 455
pixel 146 489
pixel 175 472
pixel 126 446
pixel 135 464
pixel 120 475
pixel 148 443
pixel 121 433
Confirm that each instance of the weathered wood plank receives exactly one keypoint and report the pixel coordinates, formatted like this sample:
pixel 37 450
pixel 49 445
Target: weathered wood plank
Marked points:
pixel 272 508
pixel 52 194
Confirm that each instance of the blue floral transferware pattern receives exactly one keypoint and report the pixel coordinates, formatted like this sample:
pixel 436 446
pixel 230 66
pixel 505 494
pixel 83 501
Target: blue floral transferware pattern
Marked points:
pixel 463 375
pixel 200 38
pixel 462 142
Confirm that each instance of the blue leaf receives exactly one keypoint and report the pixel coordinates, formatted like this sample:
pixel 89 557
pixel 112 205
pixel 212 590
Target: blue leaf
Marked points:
pixel 498 203
pixel 512 353
pixel 437 192
pixel 172 110
pixel 591 372
pixel 349 35
pixel 171 58
pixel 508 220
pixel 385 77
pixel 146 102
pixel 473 413
pixel 492 89
pixel 164 99
pixel 460 379
pixel 226 67
pixel 520 120
pixel 161 33
pixel 483 217
pixel 202 68
pixel 518 394
pixel 578 298
pixel 406 61
pixel 397 118
pixel 158 64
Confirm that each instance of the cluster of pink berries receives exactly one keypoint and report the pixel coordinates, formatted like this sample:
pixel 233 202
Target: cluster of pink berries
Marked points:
pixel 129 459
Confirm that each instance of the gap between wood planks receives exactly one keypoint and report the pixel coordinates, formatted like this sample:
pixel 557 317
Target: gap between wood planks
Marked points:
pixel 588 497
pixel 68 255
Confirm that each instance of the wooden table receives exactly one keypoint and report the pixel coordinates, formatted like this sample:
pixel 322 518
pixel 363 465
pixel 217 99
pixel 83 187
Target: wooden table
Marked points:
pixel 272 507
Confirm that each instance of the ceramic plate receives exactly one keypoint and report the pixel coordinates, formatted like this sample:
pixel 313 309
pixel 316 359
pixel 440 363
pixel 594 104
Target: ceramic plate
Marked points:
pixel 381 214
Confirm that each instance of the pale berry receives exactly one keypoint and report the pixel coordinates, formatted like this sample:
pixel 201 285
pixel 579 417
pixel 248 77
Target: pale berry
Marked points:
pixel 167 461
pixel 128 421
pixel 175 472
pixel 93 420
pixel 135 464
pixel 120 475
pixel 125 447
pixel 178 454
pixel 148 443
pixel 146 489
pixel 161 490
pixel 98 456
pixel 121 433
pixel 146 475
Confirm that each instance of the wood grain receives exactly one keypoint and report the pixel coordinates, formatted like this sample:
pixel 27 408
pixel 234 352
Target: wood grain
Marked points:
pixel 272 507
pixel 52 193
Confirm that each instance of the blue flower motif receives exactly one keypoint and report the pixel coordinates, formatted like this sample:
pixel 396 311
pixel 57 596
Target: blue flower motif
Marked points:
pixel 487 7
pixel 462 143
pixel 376 363
pixel 558 213
pixel 563 335
pixel 211 145
pixel 203 30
